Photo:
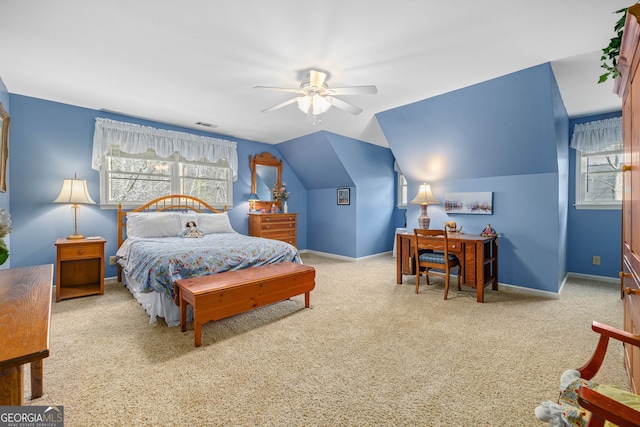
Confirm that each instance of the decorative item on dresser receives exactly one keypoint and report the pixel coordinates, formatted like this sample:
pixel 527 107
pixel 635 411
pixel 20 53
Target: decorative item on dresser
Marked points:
pixel 266 174
pixel 277 226
pixel 627 86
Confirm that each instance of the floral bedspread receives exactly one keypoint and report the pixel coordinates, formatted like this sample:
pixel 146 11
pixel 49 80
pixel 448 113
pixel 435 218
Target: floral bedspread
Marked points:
pixel 156 263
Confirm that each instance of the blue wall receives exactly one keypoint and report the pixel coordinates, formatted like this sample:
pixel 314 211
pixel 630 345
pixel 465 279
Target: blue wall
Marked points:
pixel 52 141
pixel 325 162
pixel 503 136
pixel 592 232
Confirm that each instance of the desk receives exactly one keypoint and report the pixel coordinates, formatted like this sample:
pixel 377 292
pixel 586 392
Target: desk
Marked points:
pixel 478 256
pixel 25 310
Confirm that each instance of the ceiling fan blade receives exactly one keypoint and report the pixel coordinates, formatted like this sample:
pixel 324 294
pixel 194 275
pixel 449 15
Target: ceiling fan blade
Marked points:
pixel 316 78
pixel 338 103
pixel 353 90
pixel 280 89
pixel 282 104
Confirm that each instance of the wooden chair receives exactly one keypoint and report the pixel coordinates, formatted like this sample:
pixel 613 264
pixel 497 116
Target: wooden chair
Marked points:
pixel 602 407
pixel 431 249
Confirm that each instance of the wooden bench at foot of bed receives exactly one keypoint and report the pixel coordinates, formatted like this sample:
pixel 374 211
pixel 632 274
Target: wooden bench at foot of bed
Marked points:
pixel 222 295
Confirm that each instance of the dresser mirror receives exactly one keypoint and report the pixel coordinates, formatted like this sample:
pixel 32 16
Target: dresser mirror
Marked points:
pixel 266 170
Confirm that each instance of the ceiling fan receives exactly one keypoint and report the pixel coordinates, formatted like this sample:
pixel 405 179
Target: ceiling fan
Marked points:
pixel 315 97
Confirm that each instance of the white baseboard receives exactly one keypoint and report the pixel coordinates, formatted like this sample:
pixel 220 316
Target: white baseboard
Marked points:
pixel 342 257
pixel 613 280
pixel 522 290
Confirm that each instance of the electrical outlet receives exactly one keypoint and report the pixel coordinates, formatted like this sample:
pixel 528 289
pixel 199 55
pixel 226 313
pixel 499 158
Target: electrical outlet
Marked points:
pixel 112 260
pixel 595 260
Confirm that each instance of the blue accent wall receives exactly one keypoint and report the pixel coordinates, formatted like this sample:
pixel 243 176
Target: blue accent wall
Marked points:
pixel 325 162
pixel 592 232
pixel 52 141
pixel 503 136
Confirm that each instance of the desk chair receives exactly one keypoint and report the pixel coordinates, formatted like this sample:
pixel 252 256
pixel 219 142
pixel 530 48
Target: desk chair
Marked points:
pixel 603 402
pixel 431 249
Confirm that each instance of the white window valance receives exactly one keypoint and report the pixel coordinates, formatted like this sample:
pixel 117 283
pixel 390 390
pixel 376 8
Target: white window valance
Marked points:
pixel 596 136
pixel 135 139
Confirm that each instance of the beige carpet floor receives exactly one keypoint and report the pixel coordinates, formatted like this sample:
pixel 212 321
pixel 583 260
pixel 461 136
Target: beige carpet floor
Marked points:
pixel 368 352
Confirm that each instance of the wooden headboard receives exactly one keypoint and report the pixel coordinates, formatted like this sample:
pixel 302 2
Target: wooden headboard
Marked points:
pixel 175 202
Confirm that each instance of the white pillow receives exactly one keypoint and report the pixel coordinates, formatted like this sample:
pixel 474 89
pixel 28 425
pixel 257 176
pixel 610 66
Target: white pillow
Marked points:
pixel 214 223
pixel 153 224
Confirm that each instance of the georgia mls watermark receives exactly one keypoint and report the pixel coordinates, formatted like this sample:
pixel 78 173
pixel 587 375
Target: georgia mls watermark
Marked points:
pixel 31 416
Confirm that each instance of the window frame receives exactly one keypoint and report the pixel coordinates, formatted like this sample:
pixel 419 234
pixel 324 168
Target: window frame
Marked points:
pixel 580 202
pixel 176 166
pixel 402 191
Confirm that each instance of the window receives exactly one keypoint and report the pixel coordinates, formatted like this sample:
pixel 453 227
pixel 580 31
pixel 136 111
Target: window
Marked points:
pixel 599 179
pixel 402 190
pixel 599 157
pixel 133 179
pixel 139 163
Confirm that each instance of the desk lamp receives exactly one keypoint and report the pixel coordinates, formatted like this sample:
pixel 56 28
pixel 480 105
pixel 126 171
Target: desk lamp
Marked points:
pixel 74 191
pixel 253 197
pixel 424 198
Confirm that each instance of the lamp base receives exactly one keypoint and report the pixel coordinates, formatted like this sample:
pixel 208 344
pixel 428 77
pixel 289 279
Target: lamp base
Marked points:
pixel 423 219
pixel 423 222
pixel 75 237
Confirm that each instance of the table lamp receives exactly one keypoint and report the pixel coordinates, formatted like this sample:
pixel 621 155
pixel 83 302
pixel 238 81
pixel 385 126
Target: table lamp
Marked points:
pixel 74 191
pixel 253 198
pixel 424 198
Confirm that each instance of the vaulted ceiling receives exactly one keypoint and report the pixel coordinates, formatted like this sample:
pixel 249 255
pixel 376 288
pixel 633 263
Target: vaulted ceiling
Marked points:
pixel 198 61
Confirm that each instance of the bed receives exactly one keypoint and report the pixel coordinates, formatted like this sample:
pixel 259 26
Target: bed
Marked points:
pixel 153 252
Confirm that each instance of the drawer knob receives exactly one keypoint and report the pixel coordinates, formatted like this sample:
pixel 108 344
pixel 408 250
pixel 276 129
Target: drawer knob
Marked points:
pixel 81 251
pixel 267 219
pixel 622 274
pixel 267 226
pixel 626 168
pixel 630 291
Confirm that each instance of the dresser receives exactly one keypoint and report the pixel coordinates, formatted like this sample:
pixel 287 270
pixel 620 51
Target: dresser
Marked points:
pixel 627 85
pixel 277 226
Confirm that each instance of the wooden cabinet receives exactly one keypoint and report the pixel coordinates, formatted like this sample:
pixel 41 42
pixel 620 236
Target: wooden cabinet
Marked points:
pixel 277 226
pixel 628 87
pixel 79 268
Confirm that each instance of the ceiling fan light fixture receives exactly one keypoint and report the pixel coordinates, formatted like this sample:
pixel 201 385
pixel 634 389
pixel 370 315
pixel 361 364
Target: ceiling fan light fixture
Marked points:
pixel 314 103
pixel 315 97
pixel 304 103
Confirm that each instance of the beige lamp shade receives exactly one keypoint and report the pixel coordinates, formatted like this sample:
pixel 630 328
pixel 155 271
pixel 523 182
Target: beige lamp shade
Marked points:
pixel 424 198
pixel 74 192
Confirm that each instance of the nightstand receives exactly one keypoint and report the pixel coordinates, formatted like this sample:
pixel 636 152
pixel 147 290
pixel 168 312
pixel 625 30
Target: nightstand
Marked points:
pixel 79 268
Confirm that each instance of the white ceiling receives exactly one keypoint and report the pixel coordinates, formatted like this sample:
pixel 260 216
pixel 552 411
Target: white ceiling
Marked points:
pixel 182 62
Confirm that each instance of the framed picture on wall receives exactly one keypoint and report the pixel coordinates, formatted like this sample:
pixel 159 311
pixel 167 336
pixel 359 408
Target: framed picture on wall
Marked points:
pixel 4 147
pixel 343 196
pixel 478 203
